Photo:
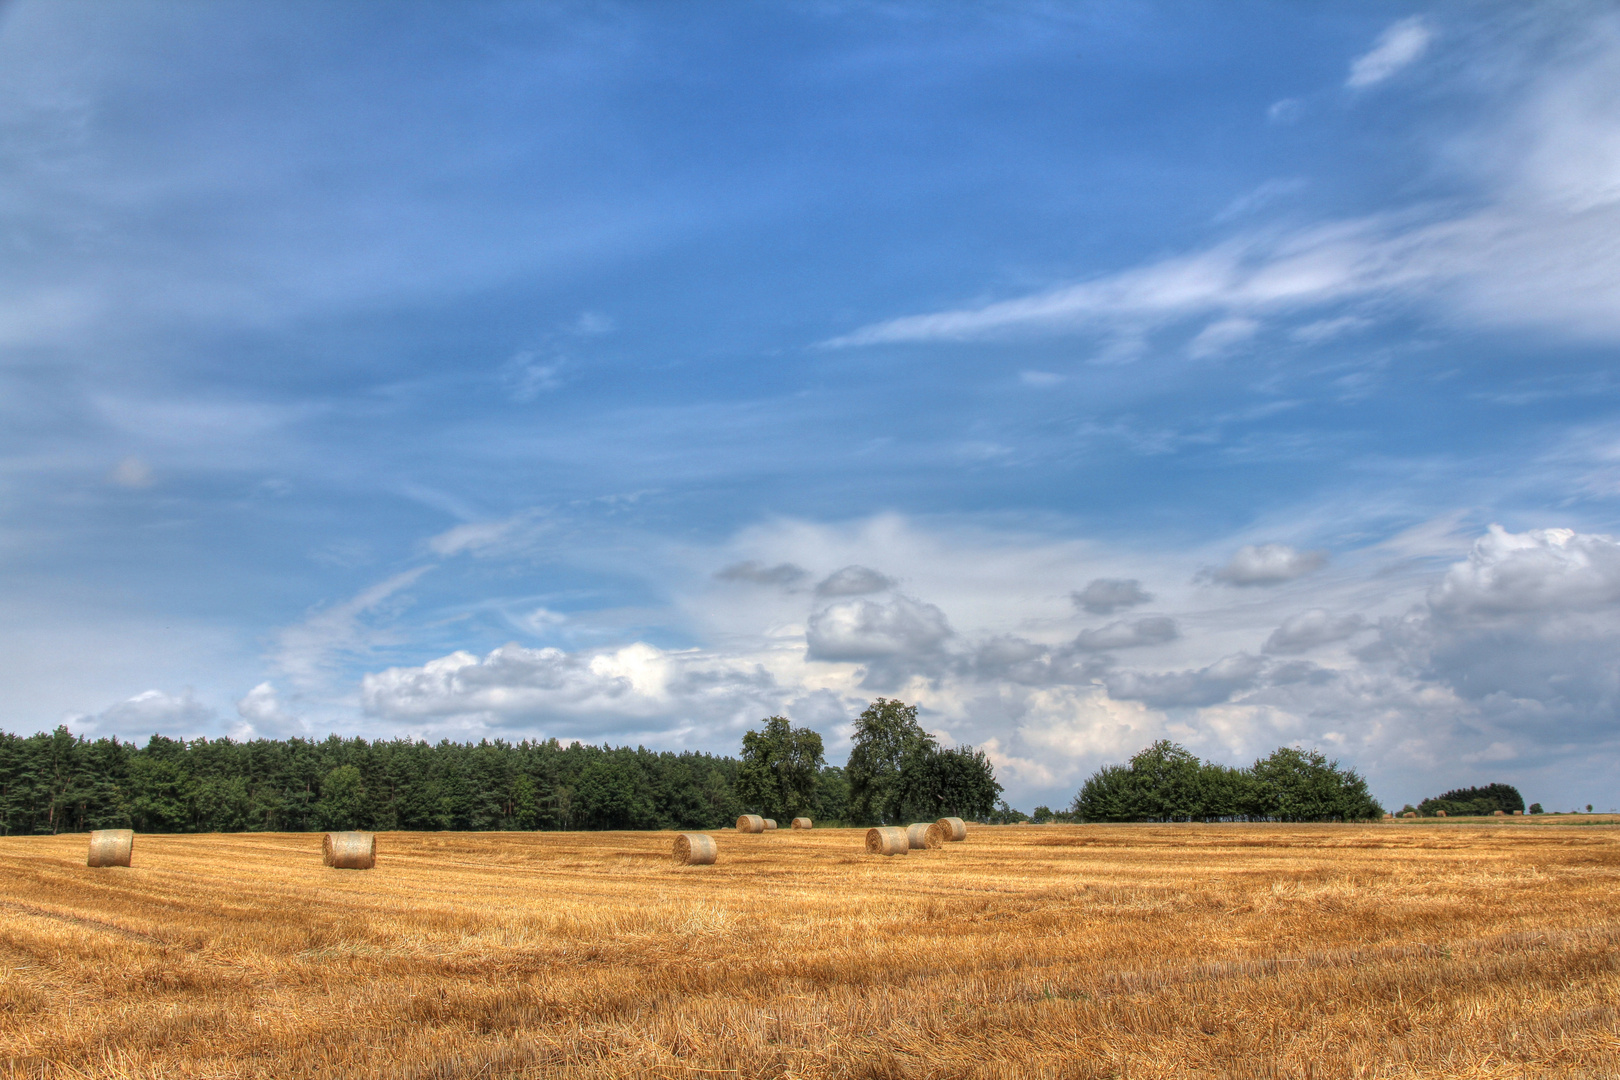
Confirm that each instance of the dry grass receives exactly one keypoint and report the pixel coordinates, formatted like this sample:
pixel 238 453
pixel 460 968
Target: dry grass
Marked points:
pixel 1389 950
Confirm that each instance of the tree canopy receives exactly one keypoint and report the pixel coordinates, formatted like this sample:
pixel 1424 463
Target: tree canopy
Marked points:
pixel 780 770
pixel 1486 800
pixel 897 771
pixel 1166 782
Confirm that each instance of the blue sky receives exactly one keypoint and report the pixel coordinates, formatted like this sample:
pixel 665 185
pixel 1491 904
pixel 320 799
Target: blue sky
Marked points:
pixel 1240 374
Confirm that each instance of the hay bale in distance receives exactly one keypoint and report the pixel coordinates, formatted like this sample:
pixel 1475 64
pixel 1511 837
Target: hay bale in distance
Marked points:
pixel 349 850
pixel 925 835
pixel 750 823
pixel 694 849
pixel 1439 813
pixel 1410 813
pixel 1518 813
pixel 111 847
pixel 1499 813
pixel 770 824
pixel 801 823
pixel 955 828
pixel 887 840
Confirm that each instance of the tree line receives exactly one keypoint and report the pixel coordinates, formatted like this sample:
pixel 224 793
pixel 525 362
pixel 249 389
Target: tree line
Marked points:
pixel 1474 801
pixel 58 782
pixel 1166 782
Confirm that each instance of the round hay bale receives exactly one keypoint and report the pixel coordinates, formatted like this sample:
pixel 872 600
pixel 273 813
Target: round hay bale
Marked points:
pixel 695 849
pixel 349 850
pixel 1499 813
pixel 925 835
pixel 801 823
pixel 887 840
pixel 1439 813
pixel 1518 813
pixel 111 847
pixel 750 823
pixel 1410 813
pixel 955 828
pixel 770 824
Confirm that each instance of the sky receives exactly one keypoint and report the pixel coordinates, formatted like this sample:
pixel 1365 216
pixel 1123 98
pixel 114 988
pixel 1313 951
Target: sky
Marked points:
pixel 1087 374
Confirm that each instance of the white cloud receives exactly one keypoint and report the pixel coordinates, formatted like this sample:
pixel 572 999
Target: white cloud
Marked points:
pixel 1124 634
pixel 1305 631
pixel 1285 111
pixel 1104 596
pixel 854 581
pixel 263 714
pixel 1265 564
pixel 1178 689
pixel 1222 336
pixel 157 712
pixel 632 689
pixel 308 652
pixel 785 575
pixel 1397 47
pixel 864 630
pixel 131 472
pixel 1538 250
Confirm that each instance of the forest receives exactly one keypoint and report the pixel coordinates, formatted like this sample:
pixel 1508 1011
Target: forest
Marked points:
pixel 59 782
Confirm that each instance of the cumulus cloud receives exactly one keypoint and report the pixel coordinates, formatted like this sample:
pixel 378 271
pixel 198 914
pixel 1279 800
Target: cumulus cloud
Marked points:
pixel 854 581
pixel 1526 628
pixel 263 713
pixel 1399 46
pixel 563 693
pixel 1104 596
pixel 862 630
pixel 1264 564
pixel 782 575
pixel 1125 634
pixel 1544 570
pixel 1305 631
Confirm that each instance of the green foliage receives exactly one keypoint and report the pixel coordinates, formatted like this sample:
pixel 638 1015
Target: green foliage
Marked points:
pixel 1535 808
pixel 898 773
pixel 58 782
pixel 780 772
pixel 1480 801
pixel 1165 782
pixel 886 733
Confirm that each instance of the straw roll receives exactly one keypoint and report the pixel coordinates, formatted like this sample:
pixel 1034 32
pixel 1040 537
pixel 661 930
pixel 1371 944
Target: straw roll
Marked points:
pixel 349 850
pixel 801 823
pixel 694 849
pixel 955 828
pixel 111 847
pixel 925 834
pixel 750 823
pixel 887 840
pixel 770 824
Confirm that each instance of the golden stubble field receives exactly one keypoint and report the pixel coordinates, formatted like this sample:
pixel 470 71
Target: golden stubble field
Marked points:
pixel 1389 950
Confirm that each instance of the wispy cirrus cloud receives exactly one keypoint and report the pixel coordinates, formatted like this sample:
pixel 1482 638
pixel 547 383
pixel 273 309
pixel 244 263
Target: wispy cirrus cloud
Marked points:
pixel 1538 245
pixel 1400 46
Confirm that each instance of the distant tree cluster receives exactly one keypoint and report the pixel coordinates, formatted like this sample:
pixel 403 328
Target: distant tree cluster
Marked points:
pixel 1480 801
pixel 1166 782
pixel 61 783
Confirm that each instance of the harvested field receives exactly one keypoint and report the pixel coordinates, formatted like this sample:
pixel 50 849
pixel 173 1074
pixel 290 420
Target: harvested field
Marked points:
pixel 1418 949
